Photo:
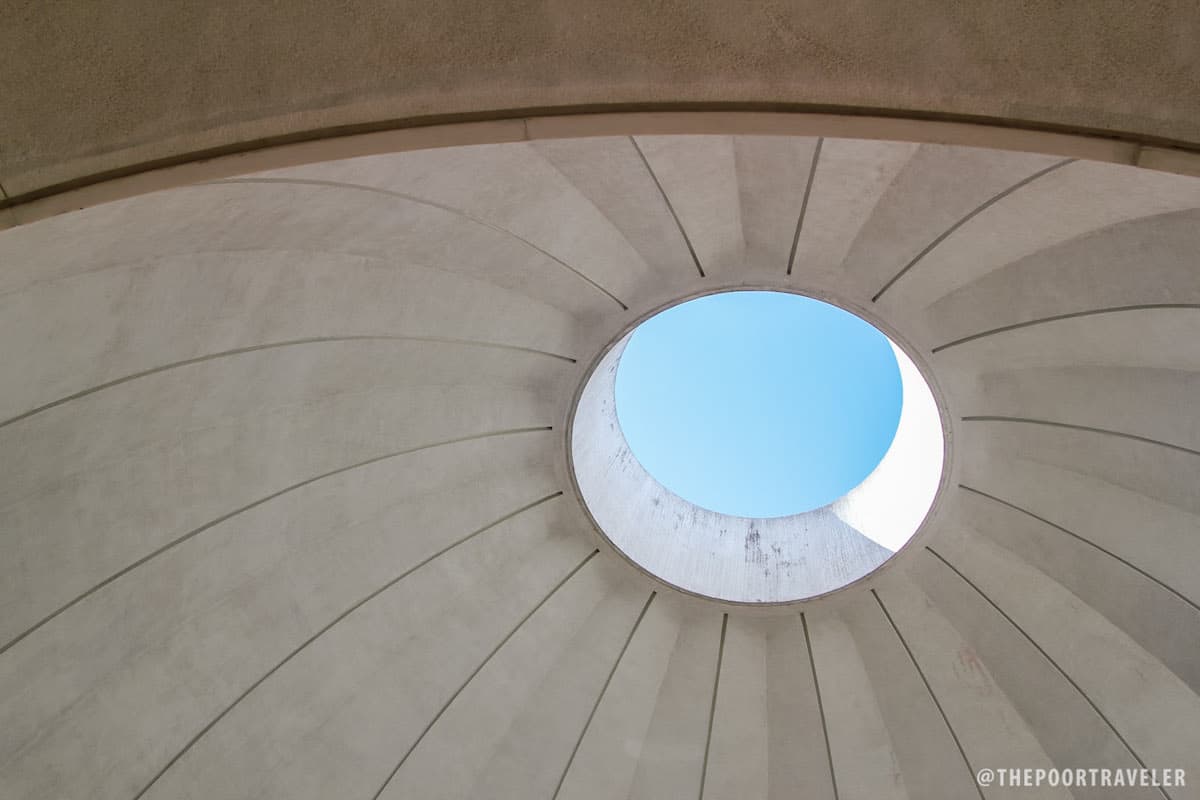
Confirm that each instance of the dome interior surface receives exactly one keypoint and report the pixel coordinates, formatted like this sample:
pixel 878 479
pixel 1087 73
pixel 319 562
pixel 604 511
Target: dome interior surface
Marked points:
pixel 287 508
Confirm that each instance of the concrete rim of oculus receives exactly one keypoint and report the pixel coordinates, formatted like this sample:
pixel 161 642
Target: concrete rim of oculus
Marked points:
pixel 755 560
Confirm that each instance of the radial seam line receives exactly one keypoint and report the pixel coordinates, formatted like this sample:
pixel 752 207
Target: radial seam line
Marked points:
pixel 671 208
pixel 224 517
pixel 812 171
pixel 1086 541
pixel 191 742
pixel 430 203
pixel 603 689
pixel 929 247
pixel 929 689
pixel 712 709
pixel 1046 655
pixel 1087 428
pixel 272 346
pixel 812 665
pixel 1058 317
pixel 477 670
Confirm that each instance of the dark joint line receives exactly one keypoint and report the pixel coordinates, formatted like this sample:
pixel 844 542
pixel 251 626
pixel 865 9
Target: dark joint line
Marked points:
pixel 224 517
pixel 191 742
pixel 812 665
pixel 445 707
pixel 1086 428
pixel 1046 656
pixel 671 208
pixel 712 709
pixel 603 690
pixel 929 688
pixel 1059 317
pixel 1082 539
pixel 979 210
pixel 431 204
pixel 812 171
pixel 272 346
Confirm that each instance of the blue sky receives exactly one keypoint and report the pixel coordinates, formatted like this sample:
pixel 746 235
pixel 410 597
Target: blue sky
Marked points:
pixel 758 404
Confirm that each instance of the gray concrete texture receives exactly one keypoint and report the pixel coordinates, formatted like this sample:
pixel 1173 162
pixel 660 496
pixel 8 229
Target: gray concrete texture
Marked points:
pixel 285 509
pixel 92 90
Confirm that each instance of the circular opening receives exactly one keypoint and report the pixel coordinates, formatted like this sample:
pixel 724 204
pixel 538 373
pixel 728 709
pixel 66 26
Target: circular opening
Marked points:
pixel 755 557
pixel 758 404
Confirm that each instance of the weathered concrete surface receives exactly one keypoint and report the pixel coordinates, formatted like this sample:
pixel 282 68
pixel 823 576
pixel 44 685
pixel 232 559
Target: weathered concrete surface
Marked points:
pixel 280 506
pixel 93 89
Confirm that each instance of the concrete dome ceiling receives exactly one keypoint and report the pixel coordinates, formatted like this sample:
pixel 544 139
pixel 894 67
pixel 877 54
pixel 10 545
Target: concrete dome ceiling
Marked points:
pixel 285 507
